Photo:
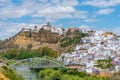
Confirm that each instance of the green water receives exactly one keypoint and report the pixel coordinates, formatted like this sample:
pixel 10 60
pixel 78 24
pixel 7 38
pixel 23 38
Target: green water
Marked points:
pixel 27 73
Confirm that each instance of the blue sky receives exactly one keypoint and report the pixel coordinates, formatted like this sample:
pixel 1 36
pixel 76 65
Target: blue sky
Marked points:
pixel 96 14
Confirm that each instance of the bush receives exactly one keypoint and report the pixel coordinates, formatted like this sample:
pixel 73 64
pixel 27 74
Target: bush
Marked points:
pixel 67 41
pixel 49 74
pixel 65 74
pixel 71 77
pixel 27 53
pixel 46 52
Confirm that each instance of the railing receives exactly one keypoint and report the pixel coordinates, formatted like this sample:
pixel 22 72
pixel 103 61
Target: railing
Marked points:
pixel 36 63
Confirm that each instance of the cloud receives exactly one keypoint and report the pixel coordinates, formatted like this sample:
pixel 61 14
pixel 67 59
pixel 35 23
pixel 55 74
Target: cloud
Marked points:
pixel 13 13
pixel 9 29
pixel 86 27
pixel 101 3
pixel 17 11
pixel 91 20
pixel 80 14
pixel 60 12
pixel 115 30
pixel 57 12
pixel 69 2
pixel 105 11
pixel 48 9
pixel 4 2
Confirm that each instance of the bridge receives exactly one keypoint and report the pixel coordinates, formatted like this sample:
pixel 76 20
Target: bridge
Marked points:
pixel 36 63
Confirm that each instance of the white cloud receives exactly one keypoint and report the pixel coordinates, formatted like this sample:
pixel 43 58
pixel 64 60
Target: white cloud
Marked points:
pixel 57 12
pixel 115 30
pixel 105 11
pixel 60 12
pixel 65 2
pixel 91 20
pixel 4 2
pixel 80 14
pixel 69 2
pixel 86 27
pixel 9 29
pixel 53 9
pixel 15 11
pixel 101 3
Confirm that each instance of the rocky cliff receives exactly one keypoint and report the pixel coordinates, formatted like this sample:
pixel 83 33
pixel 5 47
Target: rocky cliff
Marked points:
pixel 37 38
pixel 46 36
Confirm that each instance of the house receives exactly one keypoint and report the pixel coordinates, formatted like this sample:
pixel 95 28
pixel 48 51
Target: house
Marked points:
pixel 90 70
pixel 89 67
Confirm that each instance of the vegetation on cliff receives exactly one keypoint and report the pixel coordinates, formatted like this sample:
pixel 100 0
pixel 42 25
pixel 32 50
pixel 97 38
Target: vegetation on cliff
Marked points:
pixel 76 39
pixel 28 53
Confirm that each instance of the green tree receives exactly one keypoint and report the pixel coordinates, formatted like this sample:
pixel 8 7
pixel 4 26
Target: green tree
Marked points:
pixel 49 74
pixel 104 64
pixel 71 77
pixel 46 52
pixel 11 53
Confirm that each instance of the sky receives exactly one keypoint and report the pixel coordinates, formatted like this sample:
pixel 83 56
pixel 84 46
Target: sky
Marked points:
pixel 95 14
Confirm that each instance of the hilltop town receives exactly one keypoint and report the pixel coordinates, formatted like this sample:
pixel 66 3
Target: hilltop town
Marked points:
pixel 99 53
pixel 87 50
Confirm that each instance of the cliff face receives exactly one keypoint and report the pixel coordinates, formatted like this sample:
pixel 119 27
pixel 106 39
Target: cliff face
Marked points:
pixel 42 38
pixel 47 36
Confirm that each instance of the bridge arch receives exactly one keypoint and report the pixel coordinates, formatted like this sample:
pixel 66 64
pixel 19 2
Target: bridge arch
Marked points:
pixel 36 63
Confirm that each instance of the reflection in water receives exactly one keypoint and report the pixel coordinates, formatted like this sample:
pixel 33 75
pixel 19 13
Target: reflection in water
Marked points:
pixel 26 73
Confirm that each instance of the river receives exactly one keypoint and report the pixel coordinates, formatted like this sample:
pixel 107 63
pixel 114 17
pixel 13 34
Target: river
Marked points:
pixel 26 73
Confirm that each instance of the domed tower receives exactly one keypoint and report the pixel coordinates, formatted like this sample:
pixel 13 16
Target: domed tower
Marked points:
pixel 48 24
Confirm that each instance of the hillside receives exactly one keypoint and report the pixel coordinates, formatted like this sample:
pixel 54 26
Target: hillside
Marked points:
pixel 58 39
pixel 37 38
pixel 46 36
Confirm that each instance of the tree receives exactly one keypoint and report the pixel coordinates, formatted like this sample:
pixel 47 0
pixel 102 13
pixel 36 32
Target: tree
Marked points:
pixel 49 74
pixel 46 52
pixel 11 53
